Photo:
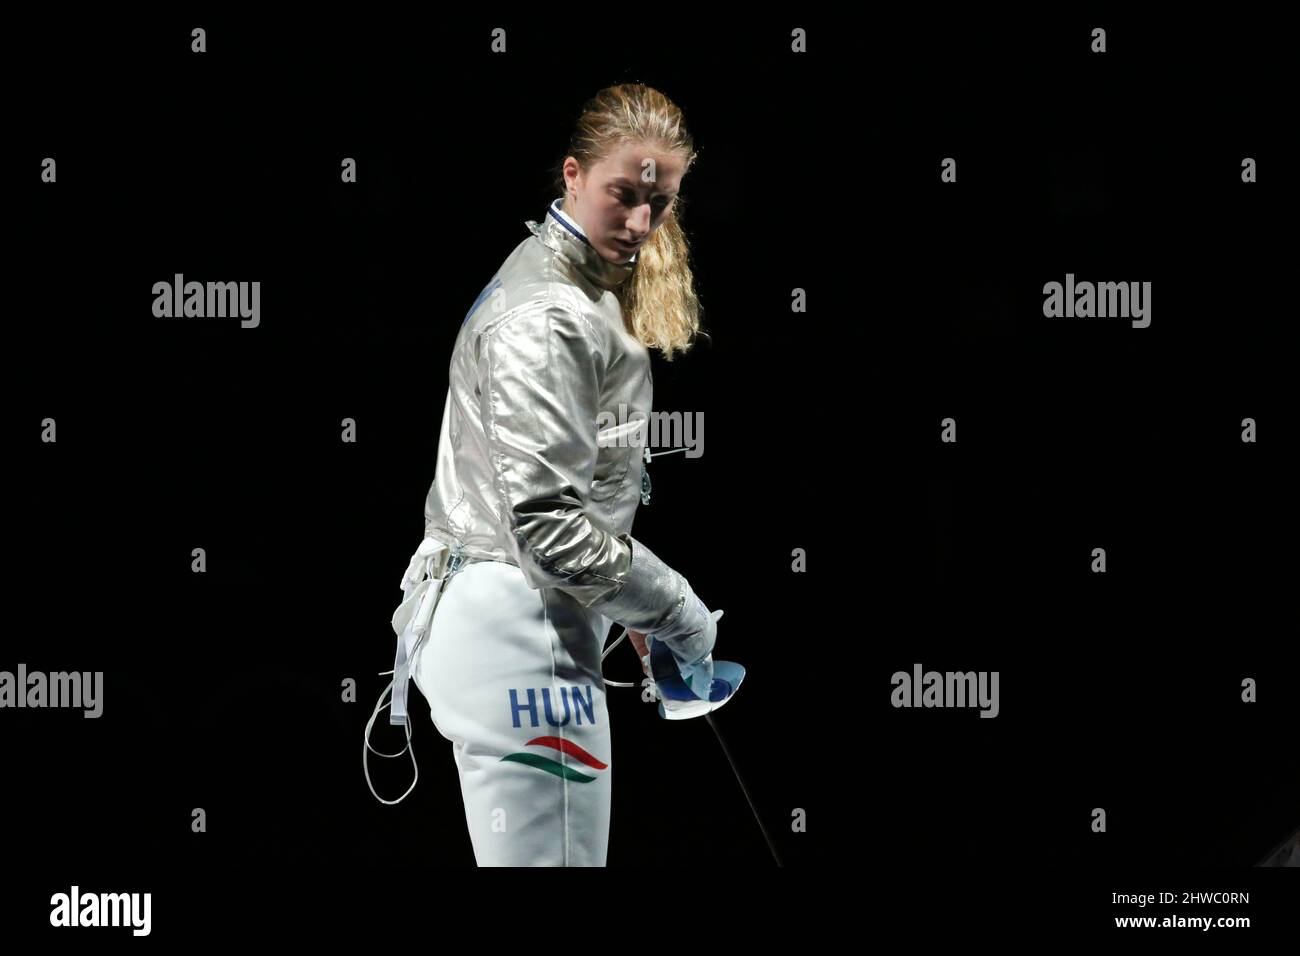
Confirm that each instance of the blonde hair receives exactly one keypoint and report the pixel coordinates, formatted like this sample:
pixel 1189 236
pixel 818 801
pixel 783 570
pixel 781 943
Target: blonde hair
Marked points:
pixel 660 307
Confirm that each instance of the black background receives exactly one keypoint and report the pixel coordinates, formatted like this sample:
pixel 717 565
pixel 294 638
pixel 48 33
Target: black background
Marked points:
pixel 817 172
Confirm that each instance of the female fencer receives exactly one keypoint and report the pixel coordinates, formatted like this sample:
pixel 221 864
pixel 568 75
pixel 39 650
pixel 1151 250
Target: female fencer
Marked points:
pixel 528 556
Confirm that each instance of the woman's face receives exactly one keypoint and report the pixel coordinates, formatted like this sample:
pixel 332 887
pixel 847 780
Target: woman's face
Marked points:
pixel 612 202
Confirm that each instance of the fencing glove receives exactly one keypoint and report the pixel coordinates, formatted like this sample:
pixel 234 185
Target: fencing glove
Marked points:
pixel 687 680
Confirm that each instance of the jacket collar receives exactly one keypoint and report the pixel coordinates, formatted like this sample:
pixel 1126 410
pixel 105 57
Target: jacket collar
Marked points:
pixel 565 237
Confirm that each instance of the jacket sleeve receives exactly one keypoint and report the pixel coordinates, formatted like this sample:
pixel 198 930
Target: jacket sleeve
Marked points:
pixel 539 376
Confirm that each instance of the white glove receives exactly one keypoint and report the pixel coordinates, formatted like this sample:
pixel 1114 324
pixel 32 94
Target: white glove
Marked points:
pixel 691 637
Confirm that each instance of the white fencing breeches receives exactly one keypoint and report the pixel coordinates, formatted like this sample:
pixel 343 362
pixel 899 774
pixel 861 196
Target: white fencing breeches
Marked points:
pixel 513 679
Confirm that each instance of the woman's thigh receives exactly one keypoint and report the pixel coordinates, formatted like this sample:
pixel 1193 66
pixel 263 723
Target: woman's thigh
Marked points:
pixel 512 677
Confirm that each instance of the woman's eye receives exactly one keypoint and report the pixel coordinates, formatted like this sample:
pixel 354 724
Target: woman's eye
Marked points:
pixel 630 199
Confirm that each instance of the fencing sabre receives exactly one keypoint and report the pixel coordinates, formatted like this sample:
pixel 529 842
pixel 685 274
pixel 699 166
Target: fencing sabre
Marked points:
pixel 671 688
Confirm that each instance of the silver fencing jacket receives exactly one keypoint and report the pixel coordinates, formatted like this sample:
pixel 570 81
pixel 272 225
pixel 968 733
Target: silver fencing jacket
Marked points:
pixel 540 458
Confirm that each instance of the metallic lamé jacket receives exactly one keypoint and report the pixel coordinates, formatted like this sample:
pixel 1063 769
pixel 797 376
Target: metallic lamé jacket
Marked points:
pixel 540 455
